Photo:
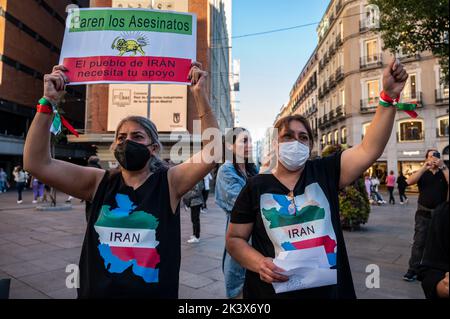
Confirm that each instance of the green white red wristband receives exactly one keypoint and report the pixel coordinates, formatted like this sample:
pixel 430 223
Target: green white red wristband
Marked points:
pixel 409 108
pixel 58 121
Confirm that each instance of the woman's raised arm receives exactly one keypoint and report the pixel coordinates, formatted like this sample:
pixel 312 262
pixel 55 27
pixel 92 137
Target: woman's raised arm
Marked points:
pixel 78 181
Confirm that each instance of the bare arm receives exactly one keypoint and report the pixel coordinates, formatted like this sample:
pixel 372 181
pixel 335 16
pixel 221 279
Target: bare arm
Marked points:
pixel 440 163
pixel 414 178
pixel 445 172
pixel 248 257
pixel 78 181
pixel 184 176
pixel 357 159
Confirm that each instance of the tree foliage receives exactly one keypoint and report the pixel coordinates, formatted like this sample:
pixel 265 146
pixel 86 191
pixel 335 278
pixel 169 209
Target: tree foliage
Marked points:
pixel 416 25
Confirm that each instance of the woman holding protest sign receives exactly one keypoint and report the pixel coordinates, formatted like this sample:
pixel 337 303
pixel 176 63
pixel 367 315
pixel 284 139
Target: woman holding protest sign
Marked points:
pixel 132 242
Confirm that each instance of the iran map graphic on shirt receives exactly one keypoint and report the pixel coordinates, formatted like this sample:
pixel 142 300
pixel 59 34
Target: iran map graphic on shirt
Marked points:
pixel 307 226
pixel 128 239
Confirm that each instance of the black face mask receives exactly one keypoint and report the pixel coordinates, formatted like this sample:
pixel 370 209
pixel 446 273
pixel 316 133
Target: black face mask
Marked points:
pixel 132 156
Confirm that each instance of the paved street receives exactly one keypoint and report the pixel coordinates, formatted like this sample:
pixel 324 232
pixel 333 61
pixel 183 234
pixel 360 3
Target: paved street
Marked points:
pixel 36 247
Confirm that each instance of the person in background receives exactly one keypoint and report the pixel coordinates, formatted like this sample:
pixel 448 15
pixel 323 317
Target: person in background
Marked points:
pixel 38 190
pixel 434 267
pixel 205 193
pixel 3 181
pixel 375 182
pixel 432 180
pixel 402 184
pixel 194 200
pixel 367 185
pixel 231 178
pixel 390 183
pixel 20 177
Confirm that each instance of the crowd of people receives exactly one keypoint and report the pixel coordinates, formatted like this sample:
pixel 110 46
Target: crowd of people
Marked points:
pixel 266 214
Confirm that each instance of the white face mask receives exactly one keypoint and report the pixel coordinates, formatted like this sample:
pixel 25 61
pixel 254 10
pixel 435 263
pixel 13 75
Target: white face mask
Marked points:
pixel 293 155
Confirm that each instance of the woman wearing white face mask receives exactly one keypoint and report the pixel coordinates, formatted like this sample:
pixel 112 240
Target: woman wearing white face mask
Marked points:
pixel 292 213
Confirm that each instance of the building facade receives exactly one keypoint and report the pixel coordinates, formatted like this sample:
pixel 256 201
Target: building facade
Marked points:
pixel 29 49
pixel 349 61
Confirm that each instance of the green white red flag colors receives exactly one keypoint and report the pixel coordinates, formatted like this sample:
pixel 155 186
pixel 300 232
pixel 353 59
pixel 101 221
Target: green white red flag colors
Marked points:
pixel 106 45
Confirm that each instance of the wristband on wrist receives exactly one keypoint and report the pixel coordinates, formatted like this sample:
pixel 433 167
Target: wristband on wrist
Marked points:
pixel 44 109
pixel 386 101
pixel 45 101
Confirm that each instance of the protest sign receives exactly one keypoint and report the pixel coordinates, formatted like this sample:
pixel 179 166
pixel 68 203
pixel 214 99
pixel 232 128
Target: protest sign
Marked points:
pixel 129 45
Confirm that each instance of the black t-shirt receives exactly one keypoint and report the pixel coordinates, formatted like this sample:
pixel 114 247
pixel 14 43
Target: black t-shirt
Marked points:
pixel 435 260
pixel 313 222
pixel 132 244
pixel 432 189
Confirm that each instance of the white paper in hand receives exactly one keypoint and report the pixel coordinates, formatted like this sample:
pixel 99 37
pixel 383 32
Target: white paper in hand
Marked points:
pixel 306 268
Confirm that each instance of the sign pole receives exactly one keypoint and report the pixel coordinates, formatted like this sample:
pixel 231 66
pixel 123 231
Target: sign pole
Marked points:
pixel 149 96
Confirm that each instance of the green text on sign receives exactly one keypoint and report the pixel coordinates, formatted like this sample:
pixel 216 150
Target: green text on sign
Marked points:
pixel 130 20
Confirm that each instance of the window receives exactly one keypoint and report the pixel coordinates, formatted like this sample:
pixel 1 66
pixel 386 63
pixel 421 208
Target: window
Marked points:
pixel 343 99
pixel 330 139
pixel 411 131
pixel 373 92
pixel 336 137
pixel 323 141
pixel 372 16
pixel 371 48
pixel 410 90
pixel 443 88
pixel 364 129
pixel 443 126
pixel 344 135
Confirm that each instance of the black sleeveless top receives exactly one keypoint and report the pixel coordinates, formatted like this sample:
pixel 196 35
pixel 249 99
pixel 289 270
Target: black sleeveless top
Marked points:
pixel 132 244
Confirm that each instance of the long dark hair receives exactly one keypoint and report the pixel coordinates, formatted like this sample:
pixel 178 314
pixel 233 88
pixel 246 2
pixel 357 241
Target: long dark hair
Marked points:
pixel 230 137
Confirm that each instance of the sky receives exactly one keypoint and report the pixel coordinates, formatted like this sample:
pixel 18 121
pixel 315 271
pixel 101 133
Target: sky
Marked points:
pixel 271 63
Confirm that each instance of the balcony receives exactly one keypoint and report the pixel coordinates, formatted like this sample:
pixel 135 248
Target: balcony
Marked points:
pixel 326 120
pixel 339 74
pixel 332 117
pixel 321 95
pixel 331 19
pixel 371 61
pixel 441 96
pixel 321 65
pixel 332 81
pixel 412 97
pixel 340 113
pixel 338 7
pixel 366 25
pixel 325 88
pixel 409 57
pixel 369 105
pixel 338 42
pixel 320 123
pixel 331 50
